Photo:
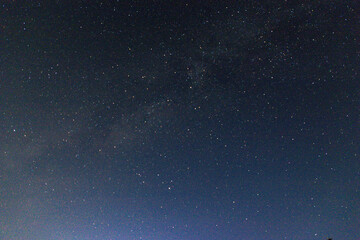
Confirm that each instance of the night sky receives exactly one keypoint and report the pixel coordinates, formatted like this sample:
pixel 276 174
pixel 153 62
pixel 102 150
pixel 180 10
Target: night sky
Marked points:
pixel 179 120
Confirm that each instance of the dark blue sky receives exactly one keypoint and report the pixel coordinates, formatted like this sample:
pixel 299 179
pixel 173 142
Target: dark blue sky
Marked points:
pixel 191 120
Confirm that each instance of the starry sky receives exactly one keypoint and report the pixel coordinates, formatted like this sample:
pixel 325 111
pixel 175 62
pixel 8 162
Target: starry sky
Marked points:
pixel 179 120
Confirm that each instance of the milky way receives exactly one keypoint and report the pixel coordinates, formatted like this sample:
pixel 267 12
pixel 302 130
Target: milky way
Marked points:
pixel 179 120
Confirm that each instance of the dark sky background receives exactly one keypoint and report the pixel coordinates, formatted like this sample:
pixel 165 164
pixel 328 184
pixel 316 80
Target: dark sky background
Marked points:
pixel 179 120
